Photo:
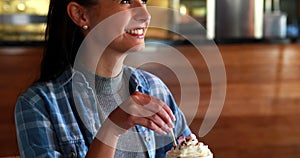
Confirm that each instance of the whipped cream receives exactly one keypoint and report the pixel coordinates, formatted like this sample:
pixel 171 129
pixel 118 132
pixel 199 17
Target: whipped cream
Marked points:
pixel 190 148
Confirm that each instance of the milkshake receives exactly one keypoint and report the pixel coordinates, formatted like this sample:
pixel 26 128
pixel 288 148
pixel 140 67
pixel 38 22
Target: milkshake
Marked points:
pixel 190 149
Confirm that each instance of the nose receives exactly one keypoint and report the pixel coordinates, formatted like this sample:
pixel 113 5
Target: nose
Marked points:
pixel 141 13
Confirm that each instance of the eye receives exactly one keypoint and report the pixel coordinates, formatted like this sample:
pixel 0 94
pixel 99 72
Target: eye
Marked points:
pixel 125 1
pixel 144 1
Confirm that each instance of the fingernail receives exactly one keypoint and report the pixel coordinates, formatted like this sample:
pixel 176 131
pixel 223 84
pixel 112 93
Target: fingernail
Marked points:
pixel 174 119
pixel 163 132
pixel 169 130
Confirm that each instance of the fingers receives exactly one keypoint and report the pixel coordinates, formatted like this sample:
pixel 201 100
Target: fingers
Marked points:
pixel 151 103
pixel 140 98
pixel 169 111
pixel 159 108
pixel 150 112
pixel 149 123
pixel 152 106
pixel 161 123
pixel 162 117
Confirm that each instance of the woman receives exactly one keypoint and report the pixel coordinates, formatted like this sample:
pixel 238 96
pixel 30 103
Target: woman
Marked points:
pixel 109 111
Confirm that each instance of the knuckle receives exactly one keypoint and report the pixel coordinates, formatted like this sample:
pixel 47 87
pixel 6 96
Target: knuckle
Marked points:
pixel 150 124
pixel 160 104
pixel 154 117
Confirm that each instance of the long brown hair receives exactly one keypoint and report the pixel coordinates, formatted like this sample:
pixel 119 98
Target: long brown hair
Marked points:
pixel 63 38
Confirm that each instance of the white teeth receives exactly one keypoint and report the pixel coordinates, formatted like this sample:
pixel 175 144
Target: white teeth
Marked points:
pixel 136 31
pixel 140 31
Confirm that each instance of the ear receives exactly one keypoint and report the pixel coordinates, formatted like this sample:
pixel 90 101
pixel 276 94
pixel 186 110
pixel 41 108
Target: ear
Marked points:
pixel 77 13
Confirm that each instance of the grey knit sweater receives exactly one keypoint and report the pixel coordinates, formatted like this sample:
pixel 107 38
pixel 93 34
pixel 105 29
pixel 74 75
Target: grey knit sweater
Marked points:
pixel 111 92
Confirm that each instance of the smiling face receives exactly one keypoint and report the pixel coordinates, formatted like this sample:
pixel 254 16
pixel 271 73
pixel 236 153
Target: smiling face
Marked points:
pixel 130 25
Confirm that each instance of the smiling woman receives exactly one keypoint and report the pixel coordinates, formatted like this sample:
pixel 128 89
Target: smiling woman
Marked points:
pixel 99 106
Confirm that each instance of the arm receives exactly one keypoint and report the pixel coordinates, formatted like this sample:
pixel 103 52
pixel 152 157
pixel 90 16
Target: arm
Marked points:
pixel 39 127
pixel 100 149
pixel 37 136
pixel 105 142
pixel 139 109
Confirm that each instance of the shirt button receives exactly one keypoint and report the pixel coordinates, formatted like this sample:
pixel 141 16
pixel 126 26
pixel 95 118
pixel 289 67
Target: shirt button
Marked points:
pixel 72 154
pixel 148 139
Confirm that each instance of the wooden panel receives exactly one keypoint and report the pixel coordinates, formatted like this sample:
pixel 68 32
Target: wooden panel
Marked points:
pixel 18 69
pixel 261 113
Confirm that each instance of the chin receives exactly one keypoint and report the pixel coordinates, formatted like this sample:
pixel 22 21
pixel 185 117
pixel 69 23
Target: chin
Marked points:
pixel 137 48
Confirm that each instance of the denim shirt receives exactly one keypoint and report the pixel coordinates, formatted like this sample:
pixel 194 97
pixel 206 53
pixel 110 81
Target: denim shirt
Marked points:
pixel 51 117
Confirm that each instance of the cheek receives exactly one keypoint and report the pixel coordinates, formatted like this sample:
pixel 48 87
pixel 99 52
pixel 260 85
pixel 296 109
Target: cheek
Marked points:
pixel 110 26
pixel 114 25
pixel 97 14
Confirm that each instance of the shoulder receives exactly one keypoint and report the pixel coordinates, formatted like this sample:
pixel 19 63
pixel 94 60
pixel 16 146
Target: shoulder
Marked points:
pixel 41 94
pixel 35 98
pixel 34 93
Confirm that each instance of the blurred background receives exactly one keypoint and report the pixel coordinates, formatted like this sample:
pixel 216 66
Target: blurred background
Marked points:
pixel 259 44
pixel 224 20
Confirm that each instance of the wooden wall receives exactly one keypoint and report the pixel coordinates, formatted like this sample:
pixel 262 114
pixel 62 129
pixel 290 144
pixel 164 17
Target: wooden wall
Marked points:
pixel 19 67
pixel 260 117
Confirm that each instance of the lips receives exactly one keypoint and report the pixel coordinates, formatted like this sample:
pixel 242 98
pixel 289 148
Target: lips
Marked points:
pixel 137 32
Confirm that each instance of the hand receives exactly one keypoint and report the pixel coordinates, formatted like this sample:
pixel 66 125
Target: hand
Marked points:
pixel 144 110
pixel 139 109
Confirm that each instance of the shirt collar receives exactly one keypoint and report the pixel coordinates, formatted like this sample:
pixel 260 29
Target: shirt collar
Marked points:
pixel 136 79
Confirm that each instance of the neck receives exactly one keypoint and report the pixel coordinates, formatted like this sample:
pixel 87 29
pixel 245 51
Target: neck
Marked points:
pixel 109 65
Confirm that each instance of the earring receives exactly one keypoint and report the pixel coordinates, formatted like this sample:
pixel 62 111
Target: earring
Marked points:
pixel 85 27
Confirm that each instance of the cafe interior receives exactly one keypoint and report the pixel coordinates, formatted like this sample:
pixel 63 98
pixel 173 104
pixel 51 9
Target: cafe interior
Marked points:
pixel 231 65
